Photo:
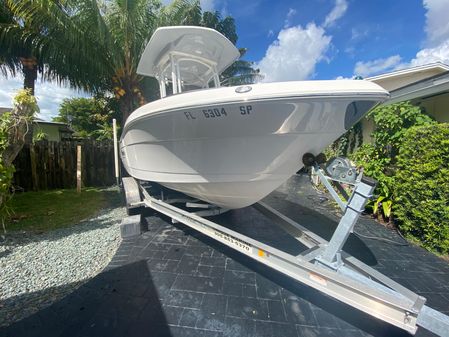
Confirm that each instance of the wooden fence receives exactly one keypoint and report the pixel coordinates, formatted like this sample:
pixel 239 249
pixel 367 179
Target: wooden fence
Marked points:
pixel 50 165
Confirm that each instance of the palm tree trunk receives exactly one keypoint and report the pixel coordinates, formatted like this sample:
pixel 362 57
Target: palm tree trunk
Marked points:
pixel 126 107
pixel 29 69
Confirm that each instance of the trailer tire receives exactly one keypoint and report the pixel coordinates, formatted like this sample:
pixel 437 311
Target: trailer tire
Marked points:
pixel 132 195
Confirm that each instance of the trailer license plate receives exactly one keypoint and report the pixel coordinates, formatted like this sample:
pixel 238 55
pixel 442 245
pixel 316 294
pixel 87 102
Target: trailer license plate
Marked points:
pixel 237 243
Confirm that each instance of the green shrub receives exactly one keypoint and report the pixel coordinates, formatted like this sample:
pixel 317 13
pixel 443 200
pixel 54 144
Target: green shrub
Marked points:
pixel 347 143
pixel 6 171
pixel 379 158
pixel 422 186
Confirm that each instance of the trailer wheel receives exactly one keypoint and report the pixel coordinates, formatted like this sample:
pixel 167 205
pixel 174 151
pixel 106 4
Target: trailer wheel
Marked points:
pixel 132 196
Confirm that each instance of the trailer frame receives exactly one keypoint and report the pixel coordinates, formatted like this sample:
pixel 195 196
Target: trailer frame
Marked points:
pixel 323 266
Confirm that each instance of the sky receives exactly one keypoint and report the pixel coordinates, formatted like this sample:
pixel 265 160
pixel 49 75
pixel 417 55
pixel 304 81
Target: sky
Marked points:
pixel 313 40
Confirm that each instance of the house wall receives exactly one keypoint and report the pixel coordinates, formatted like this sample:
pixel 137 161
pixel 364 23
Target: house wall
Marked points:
pixel 52 131
pixel 367 130
pixel 437 107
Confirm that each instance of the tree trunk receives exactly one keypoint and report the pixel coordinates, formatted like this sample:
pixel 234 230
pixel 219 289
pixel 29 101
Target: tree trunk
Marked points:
pixel 29 69
pixel 126 107
pixel 16 136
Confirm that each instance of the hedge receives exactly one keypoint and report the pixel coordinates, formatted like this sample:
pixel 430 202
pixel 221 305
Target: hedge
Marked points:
pixel 421 204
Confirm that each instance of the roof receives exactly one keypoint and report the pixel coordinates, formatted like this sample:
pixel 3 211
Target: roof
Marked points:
pixel 41 121
pixel 38 120
pixel 429 87
pixel 3 110
pixel 403 77
pixel 193 47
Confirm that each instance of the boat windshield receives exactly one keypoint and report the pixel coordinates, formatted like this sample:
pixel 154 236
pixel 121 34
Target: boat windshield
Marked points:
pixel 181 72
pixel 184 58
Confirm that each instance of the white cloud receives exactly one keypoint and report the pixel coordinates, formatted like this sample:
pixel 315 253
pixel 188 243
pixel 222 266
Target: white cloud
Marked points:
pixel 359 33
pixel 206 5
pixel 297 50
pixel 437 23
pixel 342 78
pixel 224 8
pixel 337 12
pixel 295 53
pixel 439 53
pixel 436 43
pixel 368 68
pixel 8 87
pixel 49 95
pixel 291 13
pixel 437 30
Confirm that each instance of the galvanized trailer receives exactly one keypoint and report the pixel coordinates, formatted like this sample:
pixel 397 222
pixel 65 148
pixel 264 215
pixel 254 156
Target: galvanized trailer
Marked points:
pixel 323 265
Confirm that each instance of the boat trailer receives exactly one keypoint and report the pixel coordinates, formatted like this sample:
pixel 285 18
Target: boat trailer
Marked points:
pixel 323 266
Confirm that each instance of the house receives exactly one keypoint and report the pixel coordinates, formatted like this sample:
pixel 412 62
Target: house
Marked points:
pixel 3 110
pixel 51 131
pixel 426 86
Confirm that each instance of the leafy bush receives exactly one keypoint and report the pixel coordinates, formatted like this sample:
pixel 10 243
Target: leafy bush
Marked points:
pixel 6 171
pixel 422 186
pixel 89 117
pixel 347 143
pixel 14 126
pixel 379 158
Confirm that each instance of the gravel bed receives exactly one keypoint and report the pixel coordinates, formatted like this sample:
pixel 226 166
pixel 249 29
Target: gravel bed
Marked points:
pixel 39 269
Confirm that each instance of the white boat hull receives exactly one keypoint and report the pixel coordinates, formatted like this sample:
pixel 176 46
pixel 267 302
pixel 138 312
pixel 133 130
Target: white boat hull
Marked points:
pixel 232 149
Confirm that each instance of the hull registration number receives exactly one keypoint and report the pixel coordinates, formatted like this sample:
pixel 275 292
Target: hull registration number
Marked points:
pixel 217 112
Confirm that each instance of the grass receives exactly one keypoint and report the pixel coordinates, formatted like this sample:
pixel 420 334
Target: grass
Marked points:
pixel 46 210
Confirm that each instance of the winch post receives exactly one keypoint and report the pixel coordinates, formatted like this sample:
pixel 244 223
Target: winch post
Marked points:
pixel 355 206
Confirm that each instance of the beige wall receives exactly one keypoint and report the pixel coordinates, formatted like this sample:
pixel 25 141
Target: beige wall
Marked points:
pixel 367 130
pixel 51 131
pixel 437 107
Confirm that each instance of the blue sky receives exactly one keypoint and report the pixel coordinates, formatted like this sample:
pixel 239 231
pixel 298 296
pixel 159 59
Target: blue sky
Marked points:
pixel 315 39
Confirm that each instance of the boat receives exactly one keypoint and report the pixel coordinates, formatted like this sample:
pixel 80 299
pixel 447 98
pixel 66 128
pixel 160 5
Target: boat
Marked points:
pixel 230 146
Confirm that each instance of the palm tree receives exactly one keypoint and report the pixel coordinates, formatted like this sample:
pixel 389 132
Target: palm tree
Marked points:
pixel 96 44
pixel 240 72
pixel 16 54
pixel 8 59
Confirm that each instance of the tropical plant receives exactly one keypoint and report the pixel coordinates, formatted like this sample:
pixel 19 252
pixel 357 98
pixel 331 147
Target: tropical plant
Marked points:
pixel 347 143
pixel 16 54
pixel 383 204
pixel 104 131
pixel 240 72
pixel 96 45
pixel 6 171
pixel 13 129
pixel 379 159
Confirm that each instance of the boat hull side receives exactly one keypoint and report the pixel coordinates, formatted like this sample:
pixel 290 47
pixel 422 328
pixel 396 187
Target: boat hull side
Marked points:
pixel 232 154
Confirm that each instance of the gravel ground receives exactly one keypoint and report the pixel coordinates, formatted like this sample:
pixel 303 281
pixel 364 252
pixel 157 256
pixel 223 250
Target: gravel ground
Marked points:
pixel 37 270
